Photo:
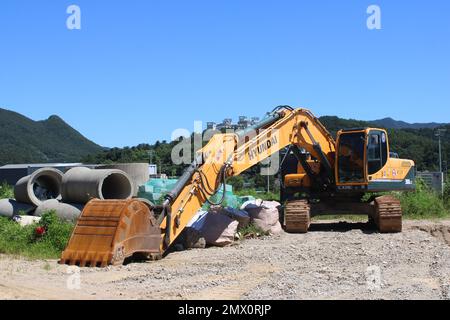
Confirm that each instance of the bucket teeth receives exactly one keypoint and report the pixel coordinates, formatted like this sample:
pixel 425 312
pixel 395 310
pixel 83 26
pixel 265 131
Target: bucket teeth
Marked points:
pixel 110 231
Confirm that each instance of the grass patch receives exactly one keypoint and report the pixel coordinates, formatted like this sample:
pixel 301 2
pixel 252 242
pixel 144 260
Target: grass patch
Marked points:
pixel 28 242
pixel 424 203
pixel 251 231
pixel 6 191
pixel 266 196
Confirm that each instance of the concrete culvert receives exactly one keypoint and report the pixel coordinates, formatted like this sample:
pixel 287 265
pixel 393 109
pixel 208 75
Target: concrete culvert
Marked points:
pixel 10 208
pixel 65 211
pixel 116 186
pixel 138 172
pixel 43 184
pixel 80 185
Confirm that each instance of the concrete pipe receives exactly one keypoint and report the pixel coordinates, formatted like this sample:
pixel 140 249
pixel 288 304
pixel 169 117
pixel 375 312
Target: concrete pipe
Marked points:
pixel 43 184
pixel 138 172
pixel 80 185
pixel 65 211
pixel 10 208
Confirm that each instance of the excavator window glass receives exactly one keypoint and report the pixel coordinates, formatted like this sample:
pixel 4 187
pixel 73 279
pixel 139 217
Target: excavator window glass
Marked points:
pixel 376 151
pixel 351 157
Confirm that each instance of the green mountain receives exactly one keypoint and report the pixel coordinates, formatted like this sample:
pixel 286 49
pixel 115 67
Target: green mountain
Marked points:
pixel 23 140
pixel 394 124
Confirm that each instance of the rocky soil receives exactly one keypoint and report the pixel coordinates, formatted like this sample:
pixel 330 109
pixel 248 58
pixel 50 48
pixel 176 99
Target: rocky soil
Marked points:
pixel 333 261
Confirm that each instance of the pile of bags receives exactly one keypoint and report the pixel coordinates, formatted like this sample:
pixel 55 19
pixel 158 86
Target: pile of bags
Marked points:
pixel 219 226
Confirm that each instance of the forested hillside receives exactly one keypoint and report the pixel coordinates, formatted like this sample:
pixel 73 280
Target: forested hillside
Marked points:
pixel 23 140
pixel 418 144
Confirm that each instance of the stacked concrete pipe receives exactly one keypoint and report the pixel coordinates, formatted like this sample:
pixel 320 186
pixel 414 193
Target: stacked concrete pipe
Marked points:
pixel 10 208
pixel 138 172
pixel 80 185
pixel 43 184
pixel 65 211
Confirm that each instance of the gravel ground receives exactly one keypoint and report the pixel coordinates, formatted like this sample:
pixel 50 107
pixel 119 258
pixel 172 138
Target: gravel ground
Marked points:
pixel 333 261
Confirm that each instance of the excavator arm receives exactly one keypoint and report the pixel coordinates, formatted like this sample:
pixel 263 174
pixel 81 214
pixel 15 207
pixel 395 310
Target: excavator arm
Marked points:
pixel 228 155
pixel 106 229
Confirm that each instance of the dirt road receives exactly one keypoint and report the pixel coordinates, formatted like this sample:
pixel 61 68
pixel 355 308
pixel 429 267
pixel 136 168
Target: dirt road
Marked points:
pixel 333 261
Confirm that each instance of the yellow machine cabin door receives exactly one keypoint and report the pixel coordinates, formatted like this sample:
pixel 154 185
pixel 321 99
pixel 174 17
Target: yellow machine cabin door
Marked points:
pixel 377 151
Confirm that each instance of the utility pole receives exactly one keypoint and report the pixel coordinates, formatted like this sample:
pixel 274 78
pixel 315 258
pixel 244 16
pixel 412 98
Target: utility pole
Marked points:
pixel 438 134
pixel 150 156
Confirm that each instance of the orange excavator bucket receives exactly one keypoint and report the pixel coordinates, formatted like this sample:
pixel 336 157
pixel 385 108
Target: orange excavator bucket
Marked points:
pixel 109 231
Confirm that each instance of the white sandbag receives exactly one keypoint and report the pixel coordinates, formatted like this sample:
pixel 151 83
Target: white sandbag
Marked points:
pixel 265 215
pixel 218 229
pixel 24 221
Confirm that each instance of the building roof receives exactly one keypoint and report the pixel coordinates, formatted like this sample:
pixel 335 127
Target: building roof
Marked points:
pixel 39 165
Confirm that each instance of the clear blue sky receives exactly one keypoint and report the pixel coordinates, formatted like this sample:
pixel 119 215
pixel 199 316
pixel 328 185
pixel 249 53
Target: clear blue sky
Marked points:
pixel 137 70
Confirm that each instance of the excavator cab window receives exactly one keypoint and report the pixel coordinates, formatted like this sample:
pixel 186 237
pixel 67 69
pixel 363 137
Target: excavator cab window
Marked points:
pixel 377 151
pixel 351 157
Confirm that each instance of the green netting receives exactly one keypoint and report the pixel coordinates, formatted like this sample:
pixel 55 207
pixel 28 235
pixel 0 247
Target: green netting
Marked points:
pixel 155 189
pixel 230 200
pixel 244 199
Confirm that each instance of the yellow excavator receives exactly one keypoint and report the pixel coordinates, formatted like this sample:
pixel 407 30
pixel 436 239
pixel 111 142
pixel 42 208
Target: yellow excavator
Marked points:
pixel 319 176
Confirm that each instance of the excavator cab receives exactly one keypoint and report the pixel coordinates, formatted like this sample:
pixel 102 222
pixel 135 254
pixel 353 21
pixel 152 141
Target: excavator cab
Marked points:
pixel 363 162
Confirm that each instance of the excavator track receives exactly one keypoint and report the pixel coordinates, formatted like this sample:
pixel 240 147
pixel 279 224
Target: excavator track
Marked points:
pixel 297 216
pixel 388 214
